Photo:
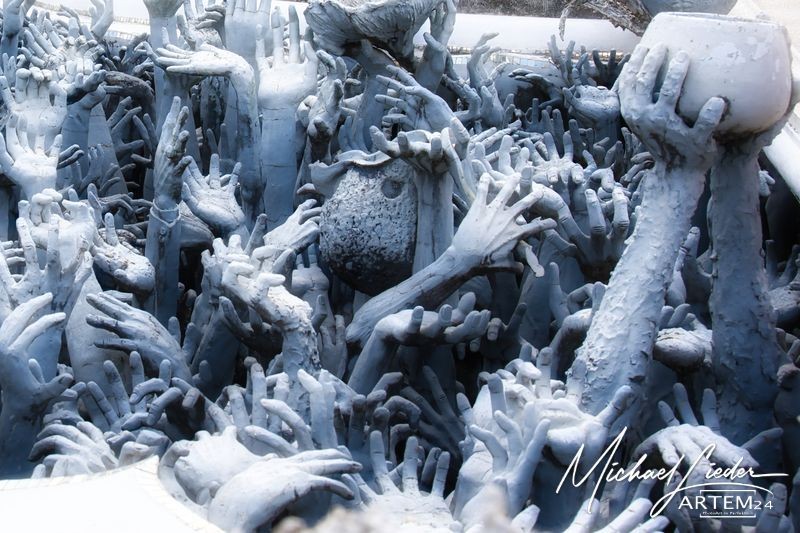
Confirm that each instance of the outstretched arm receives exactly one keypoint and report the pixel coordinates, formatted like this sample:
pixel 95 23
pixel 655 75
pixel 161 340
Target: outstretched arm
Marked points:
pixel 620 340
pixel 484 242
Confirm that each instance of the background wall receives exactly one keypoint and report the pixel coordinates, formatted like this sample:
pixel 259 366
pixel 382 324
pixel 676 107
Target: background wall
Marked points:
pixel 122 8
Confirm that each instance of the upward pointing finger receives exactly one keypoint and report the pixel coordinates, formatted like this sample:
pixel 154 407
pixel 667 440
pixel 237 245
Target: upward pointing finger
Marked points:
pixel 673 81
pixel 648 74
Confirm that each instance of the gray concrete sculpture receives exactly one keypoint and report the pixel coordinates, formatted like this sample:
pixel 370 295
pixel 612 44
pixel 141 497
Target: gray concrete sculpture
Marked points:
pixel 328 284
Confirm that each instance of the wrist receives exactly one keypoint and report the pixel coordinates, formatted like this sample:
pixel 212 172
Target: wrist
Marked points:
pixel 279 147
pixel 460 262
pixel 159 21
pixel 243 78
pixel 240 230
pixel 278 114
pixel 166 207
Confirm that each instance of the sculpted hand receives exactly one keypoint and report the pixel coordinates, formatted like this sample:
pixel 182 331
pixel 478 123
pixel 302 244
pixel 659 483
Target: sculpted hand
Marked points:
pixel 286 81
pixel 74 219
pixel 60 277
pixel 513 465
pixel 138 331
pixel 497 226
pixel 635 517
pixel 435 56
pixel 309 280
pixel 260 493
pixel 14 14
pixel 594 107
pixel 604 74
pixel 102 13
pixel 197 24
pixel 433 153
pixel 25 393
pixel 412 106
pixel 685 444
pixel 501 341
pixel 210 461
pixel 31 101
pixel 162 9
pixel 325 109
pixel 170 162
pixel 664 134
pixel 213 198
pixel 67 450
pixel 406 506
pixel 33 169
pixel 296 234
pixel 207 60
pixel 492 112
pixel 242 21
pixel 121 260
pixel 119 123
pixel 418 327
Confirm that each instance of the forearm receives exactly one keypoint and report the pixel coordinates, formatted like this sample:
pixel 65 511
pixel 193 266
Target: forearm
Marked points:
pixel 744 334
pixel 607 129
pixel 76 126
pixel 218 349
pixel 163 251
pixel 279 164
pixel 371 365
pixel 619 343
pixel 428 287
pixel 9 45
pixel 163 91
pixel 166 88
pixel 85 358
pixel 18 432
pixel 435 208
pixel 431 69
pixel 247 138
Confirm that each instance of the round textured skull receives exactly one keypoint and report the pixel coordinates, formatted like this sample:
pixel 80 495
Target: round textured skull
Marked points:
pixel 368 227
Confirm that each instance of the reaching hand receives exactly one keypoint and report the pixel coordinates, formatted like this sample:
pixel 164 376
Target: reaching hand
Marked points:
pixel 492 229
pixel 418 327
pixel 260 493
pixel 665 134
pixel 31 102
pixel 14 14
pixel 206 60
pixel 33 169
pixel 407 506
pixel 25 392
pixel 325 109
pixel 683 444
pixel 242 21
pixel 199 23
pixel 162 9
pixel 594 107
pixel 138 331
pixel 63 278
pixel 102 13
pixel 513 464
pixel 413 106
pixel 170 162
pixel 213 198
pixel 286 81
pixel 121 260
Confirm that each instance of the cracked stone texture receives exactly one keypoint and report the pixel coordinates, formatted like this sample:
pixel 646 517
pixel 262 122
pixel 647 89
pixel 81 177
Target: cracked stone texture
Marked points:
pixel 368 228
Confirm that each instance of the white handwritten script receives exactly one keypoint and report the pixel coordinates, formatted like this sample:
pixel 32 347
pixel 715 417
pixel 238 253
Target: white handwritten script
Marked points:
pixel 613 471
